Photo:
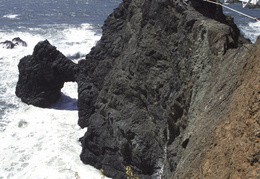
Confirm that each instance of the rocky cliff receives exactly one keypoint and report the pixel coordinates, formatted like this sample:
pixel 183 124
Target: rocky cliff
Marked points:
pixel 171 90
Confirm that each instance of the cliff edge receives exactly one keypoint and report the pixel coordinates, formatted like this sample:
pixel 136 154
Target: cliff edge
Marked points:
pixel 171 90
pixel 163 77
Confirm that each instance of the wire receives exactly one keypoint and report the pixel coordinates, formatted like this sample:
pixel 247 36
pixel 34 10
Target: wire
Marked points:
pixel 218 3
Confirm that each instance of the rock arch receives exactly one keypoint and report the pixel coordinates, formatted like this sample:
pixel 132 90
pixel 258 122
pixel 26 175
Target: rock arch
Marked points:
pixel 43 74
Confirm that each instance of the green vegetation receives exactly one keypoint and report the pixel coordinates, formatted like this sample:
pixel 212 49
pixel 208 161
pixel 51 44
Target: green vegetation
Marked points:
pixel 128 172
pixel 102 173
pixel 77 175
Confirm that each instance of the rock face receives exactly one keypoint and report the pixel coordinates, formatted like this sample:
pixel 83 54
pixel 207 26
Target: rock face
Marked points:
pixel 170 90
pixel 233 151
pixel 42 75
pixel 157 85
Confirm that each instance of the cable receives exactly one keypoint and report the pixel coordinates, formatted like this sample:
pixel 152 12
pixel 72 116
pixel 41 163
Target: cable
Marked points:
pixel 218 3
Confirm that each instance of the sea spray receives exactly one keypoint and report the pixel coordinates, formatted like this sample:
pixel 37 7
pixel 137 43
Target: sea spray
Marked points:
pixel 35 142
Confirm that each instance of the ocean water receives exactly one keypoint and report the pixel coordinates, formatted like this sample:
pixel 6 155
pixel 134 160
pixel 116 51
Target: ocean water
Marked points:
pixel 250 28
pixel 43 143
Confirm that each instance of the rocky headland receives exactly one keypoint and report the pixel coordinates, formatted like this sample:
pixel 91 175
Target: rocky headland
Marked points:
pixel 172 90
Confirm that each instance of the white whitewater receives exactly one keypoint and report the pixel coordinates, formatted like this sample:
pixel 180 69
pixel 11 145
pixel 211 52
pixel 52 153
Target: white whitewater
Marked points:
pixel 11 16
pixel 42 143
pixel 251 31
pixel 250 3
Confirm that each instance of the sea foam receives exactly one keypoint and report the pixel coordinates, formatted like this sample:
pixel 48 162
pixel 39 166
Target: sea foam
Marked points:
pixel 11 16
pixel 251 31
pixel 35 142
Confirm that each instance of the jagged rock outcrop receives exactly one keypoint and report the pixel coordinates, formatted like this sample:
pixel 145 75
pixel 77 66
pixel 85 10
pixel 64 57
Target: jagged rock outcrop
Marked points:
pixel 42 75
pixel 7 44
pixel 167 91
pixel 156 85
pixel 17 41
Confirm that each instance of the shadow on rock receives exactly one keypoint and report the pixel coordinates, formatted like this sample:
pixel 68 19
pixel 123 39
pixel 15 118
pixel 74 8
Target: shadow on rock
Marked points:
pixel 66 103
pixel 43 74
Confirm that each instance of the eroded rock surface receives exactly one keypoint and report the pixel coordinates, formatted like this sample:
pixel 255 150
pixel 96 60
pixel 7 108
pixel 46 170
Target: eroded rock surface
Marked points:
pixel 157 83
pixel 166 91
pixel 233 151
pixel 42 75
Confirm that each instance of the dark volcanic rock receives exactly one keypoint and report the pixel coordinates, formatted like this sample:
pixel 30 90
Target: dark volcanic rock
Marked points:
pixel 7 44
pixel 15 42
pixel 148 89
pixel 155 89
pixel 43 74
pixel 19 41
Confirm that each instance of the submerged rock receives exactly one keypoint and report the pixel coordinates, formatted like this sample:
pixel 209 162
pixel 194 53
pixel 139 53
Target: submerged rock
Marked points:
pixel 15 42
pixel 42 75
pixel 19 42
pixel 7 44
